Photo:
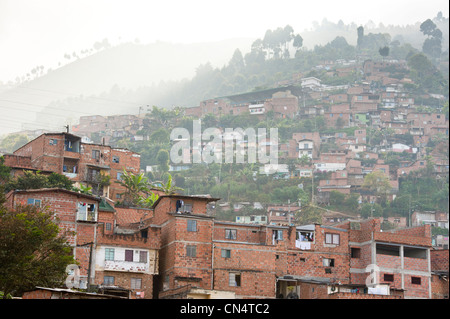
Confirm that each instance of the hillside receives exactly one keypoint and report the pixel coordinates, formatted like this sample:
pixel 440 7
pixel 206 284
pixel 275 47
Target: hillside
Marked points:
pixel 126 66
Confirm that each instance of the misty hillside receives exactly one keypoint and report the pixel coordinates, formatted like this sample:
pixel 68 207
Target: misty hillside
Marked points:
pixel 127 66
pixel 126 78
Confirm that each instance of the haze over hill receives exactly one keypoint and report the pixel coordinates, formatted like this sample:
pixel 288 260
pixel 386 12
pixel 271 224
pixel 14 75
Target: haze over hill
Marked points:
pixel 116 79
pixel 126 66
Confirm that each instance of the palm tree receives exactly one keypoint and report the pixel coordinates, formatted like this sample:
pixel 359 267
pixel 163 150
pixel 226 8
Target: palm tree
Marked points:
pixel 168 188
pixel 135 185
pixel 147 202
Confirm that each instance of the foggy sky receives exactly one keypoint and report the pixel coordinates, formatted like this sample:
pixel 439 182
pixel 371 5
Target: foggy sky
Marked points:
pixel 40 32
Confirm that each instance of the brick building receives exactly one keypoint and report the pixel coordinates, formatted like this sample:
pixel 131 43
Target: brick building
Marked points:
pixel 113 250
pixel 178 250
pixel 76 214
pixel 283 102
pixel 399 258
pixel 269 261
pixel 66 154
pixel 439 273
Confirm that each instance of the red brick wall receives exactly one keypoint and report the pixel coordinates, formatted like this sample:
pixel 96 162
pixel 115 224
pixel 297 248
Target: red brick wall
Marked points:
pixel 439 259
pixel 37 294
pixel 243 233
pixel 439 287
pixel 64 205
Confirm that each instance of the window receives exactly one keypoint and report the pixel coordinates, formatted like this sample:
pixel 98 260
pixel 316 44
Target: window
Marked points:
pixel 53 141
pixel 416 280
pixel 119 176
pixel 277 234
pixel 332 239
pixel 305 236
pixel 82 211
pixel 108 226
pixel 96 154
pixel 108 280
pixel 143 256
pixel 136 283
pixel 234 279
pixel 328 262
pixel 355 252
pixel 128 255
pixel 191 225
pixel 34 202
pixel 230 233
pixel 115 159
pixel 109 253
pixel 187 208
pixel 191 251
pixel 226 253
pixel 388 277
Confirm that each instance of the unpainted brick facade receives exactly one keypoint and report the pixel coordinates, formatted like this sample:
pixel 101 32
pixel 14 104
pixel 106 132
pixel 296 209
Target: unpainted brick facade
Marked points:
pixel 249 261
pixel 64 153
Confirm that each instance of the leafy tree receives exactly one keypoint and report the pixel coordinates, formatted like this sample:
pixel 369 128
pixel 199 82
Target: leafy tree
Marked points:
pixel 161 136
pixel 360 39
pixel 12 142
pixel 309 215
pixel 32 251
pixel 384 51
pixel 298 42
pixel 377 182
pixel 135 186
pixel 337 198
pixel 168 187
pixel 59 181
pixel 4 171
pixel 83 189
pixel 163 160
pixel 147 202
pixel 432 45
pixel 36 180
pixel 371 210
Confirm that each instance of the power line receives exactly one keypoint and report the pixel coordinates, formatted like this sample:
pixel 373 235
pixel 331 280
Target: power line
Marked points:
pixel 73 95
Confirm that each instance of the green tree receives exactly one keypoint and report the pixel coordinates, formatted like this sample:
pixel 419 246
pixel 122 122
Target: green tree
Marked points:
pixel 5 171
pixel 360 39
pixel 378 183
pixel 309 215
pixel 163 161
pixel 371 210
pixel 12 142
pixel 36 180
pixel 169 187
pixel 384 51
pixel 298 42
pixel 136 185
pixel 32 251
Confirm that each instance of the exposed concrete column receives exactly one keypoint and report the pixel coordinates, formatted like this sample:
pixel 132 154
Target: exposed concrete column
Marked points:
pixel 402 266
pixel 374 251
pixel 429 271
